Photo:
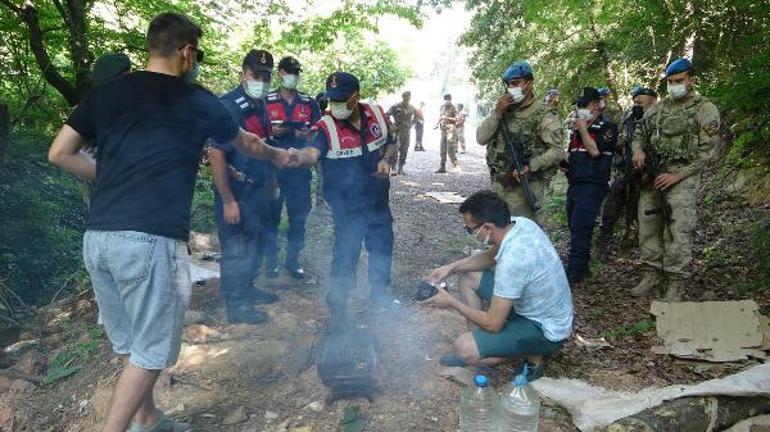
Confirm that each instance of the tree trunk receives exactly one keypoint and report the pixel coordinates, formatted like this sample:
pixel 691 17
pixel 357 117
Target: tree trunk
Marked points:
pixel 49 71
pixel 78 44
pixel 693 414
pixel 5 131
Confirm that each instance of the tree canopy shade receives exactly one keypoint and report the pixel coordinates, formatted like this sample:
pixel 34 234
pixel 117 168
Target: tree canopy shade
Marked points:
pixel 50 45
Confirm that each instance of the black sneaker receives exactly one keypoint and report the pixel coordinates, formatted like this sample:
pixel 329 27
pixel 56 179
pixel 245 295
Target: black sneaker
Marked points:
pixel 257 296
pixel 533 372
pixel 273 272
pixel 242 313
pixel 452 360
pixel 295 270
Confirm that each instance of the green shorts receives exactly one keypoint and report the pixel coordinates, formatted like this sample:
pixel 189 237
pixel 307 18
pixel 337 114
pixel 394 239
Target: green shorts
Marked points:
pixel 519 337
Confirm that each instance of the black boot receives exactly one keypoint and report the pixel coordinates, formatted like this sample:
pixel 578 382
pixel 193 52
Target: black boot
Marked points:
pixel 242 313
pixel 256 296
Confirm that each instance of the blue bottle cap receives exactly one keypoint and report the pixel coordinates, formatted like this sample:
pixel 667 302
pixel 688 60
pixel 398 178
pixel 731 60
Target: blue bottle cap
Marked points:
pixel 481 381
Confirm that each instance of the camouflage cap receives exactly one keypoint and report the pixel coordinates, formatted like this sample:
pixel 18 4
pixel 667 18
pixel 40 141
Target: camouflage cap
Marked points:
pixel 110 66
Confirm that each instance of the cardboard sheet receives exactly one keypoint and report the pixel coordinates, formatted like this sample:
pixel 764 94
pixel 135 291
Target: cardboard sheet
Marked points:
pixel 711 331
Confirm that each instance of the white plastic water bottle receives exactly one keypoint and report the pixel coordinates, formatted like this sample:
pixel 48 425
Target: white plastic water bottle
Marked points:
pixel 519 406
pixel 479 406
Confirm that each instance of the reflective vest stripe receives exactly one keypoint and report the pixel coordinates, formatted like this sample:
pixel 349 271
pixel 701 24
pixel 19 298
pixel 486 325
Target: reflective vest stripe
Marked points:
pixel 606 153
pixel 379 142
pixel 335 148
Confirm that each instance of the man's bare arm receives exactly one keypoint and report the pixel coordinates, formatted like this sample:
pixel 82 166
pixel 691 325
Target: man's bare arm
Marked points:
pixel 256 147
pixel 65 153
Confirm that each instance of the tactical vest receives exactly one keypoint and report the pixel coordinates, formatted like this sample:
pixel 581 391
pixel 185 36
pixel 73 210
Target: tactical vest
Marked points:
pixel 301 110
pixel 675 130
pixel 347 167
pixel 254 120
pixel 525 129
pixel 345 143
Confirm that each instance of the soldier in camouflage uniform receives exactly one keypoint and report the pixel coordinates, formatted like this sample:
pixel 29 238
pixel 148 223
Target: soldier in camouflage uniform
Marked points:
pixel 447 122
pixel 610 110
pixel 403 115
pixel 682 130
pixel 462 116
pixel 624 187
pixel 537 126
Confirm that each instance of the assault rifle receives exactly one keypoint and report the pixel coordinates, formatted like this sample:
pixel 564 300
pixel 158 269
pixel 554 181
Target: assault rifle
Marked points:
pixel 515 147
pixel 653 170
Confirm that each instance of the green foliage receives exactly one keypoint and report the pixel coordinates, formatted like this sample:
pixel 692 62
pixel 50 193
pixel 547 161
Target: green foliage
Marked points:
pixel 620 43
pixel 556 209
pixel 42 218
pixel 759 233
pixel 638 328
pixel 202 217
pixel 73 357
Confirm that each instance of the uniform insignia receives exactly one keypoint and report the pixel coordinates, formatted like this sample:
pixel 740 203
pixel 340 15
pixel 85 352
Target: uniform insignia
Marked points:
pixel 375 130
pixel 712 128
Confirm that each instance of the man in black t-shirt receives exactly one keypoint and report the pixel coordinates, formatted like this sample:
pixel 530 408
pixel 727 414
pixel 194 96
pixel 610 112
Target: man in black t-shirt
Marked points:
pixel 149 128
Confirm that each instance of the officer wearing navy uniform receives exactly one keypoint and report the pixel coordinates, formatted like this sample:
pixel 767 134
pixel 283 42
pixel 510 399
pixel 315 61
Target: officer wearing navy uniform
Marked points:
pixel 242 193
pixel 356 145
pixel 591 146
pixel 292 113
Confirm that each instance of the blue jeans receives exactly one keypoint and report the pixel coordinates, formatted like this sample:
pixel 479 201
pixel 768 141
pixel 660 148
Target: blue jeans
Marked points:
pixel 242 244
pixel 142 287
pixel 584 200
pixel 374 228
pixel 295 192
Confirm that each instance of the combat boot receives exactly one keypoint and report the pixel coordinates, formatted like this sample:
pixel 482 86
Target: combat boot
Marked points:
pixel 674 289
pixel 400 169
pixel 650 280
pixel 442 169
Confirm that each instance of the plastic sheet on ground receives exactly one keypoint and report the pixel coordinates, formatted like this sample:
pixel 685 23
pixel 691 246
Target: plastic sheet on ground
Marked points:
pixel 200 274
pixel 594 407
pixel 446 197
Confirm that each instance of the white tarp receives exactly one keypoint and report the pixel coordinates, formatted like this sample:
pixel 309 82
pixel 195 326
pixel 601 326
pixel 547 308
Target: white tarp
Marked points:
pixel 594 407
pixel 446 197
pixel 200 274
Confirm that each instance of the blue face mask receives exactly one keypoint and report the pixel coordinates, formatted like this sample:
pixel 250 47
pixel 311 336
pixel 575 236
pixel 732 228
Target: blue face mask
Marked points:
pixel 192 74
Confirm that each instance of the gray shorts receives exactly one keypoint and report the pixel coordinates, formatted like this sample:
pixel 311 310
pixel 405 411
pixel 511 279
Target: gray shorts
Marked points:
pixel 142 287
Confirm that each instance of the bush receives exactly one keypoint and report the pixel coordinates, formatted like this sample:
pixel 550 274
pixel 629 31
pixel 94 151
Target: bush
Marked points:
pixel 43 217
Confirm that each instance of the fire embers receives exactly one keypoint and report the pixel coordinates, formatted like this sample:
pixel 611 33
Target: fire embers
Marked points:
pixel 347 362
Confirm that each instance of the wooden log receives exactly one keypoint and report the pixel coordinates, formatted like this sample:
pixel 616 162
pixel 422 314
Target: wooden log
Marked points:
pixel 693 414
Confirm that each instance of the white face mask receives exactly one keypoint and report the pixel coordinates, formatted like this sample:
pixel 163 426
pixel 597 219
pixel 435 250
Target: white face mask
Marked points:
pixel 340 110
pixel 487 240
pixel 584 113
pixel 255 89
pixel 290 81
pixel 516 93
pixel 677 91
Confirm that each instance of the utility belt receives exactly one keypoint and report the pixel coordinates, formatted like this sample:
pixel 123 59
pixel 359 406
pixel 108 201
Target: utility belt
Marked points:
pixel 242 177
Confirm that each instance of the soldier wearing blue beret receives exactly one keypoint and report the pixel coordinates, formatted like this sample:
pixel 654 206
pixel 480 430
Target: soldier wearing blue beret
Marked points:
pixel 682 130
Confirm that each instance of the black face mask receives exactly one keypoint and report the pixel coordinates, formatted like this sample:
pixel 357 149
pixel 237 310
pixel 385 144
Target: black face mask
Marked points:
pixel 637 112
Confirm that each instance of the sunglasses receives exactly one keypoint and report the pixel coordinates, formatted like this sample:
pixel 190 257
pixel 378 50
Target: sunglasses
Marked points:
pixel 470 230
pixel 198 52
